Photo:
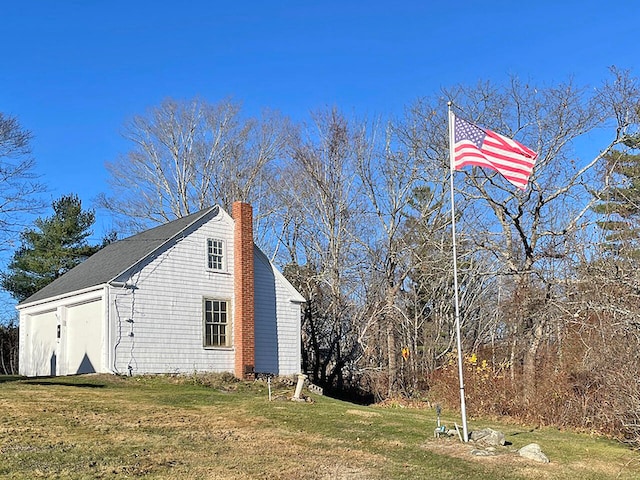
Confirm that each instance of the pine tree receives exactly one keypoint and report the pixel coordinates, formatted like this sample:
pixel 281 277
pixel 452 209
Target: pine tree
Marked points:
pixel 621 202
pixel 56 245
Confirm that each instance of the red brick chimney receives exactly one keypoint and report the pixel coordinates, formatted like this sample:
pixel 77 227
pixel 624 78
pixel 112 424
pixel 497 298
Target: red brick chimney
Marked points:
pixel 243 331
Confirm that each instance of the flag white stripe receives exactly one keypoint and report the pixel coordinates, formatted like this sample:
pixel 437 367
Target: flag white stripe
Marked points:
pixel 508 157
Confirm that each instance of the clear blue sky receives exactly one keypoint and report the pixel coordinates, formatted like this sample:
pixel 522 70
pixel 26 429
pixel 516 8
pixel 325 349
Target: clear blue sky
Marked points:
pixel 73 71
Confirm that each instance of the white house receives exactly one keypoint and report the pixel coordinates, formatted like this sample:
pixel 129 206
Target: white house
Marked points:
pixel 192 295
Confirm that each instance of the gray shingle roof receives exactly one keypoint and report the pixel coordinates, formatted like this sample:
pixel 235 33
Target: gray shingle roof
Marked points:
pixel 117 257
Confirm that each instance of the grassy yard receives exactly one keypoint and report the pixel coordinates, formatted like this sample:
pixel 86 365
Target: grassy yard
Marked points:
pixel 203 428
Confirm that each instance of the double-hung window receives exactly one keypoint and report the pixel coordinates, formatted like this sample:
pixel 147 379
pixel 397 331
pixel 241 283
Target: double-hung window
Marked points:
pixel 216 323
pixel 215 254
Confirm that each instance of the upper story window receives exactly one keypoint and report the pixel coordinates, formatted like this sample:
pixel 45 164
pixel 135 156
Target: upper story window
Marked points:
pixel 215 254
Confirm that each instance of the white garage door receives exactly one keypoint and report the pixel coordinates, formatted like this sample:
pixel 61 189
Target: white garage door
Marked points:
pixel 42 340
pixel 84 338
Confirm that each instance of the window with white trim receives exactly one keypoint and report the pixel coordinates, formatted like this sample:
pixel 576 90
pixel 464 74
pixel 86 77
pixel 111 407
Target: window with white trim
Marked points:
pixel 215 254
pixel 217 327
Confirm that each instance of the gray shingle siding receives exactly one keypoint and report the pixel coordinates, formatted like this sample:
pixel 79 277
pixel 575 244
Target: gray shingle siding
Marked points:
pixel 118 257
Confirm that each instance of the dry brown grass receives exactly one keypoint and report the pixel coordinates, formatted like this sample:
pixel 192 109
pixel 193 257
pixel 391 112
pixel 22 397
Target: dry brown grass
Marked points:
pixel 102 433
pixel 507 458
pixel 109 427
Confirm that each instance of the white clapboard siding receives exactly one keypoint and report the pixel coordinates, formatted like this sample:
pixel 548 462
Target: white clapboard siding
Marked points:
pixel 166 308
pixel 277 321
pixel 267 346
pixel 152 322
pixel 289 336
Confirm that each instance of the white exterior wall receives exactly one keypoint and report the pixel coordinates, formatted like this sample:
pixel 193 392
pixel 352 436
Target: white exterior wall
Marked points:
pixel 79 347
pixel 289 335
pixel 277 321
pixel 157 327
pixel 166 331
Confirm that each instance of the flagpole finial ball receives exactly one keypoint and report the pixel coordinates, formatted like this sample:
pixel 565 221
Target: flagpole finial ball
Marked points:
pixel 449 103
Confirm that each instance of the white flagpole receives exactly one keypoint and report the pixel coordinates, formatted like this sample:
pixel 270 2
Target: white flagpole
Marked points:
pixel 463 409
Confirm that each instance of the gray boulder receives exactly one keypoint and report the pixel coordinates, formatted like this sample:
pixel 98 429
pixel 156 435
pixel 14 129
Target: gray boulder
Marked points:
pixel 488 436
pixel 533 452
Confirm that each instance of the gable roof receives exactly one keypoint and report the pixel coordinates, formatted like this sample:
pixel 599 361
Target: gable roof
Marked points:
pixel 117 257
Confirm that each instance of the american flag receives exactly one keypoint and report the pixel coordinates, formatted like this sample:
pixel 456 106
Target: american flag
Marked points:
pixel 474 145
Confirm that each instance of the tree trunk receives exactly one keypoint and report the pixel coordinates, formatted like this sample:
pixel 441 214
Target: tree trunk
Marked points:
pixel 391 352
pixel 529 362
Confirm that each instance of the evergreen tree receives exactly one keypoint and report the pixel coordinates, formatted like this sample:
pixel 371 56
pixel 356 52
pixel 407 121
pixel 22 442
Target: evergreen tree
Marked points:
pixel 621 202
pixel 56 245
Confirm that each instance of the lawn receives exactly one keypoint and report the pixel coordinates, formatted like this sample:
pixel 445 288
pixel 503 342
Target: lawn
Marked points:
pixel 202 427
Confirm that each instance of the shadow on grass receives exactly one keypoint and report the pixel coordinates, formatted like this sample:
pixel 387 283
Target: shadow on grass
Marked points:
pixel 70 381
pixel 10 378
pixel 62 382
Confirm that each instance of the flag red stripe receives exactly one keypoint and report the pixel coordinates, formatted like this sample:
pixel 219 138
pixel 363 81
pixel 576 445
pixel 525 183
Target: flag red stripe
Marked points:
pixel 488 159
pixel 517 181
pixel 516 148
pixel 509 161
pixel 512 174
pixel 509 155
pixel 510 158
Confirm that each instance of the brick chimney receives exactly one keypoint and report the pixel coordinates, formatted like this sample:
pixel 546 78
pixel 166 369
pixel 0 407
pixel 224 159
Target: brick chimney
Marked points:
pixel 243 331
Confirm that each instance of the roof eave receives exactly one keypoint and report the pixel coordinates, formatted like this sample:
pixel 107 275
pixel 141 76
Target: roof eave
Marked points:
pixel 24 306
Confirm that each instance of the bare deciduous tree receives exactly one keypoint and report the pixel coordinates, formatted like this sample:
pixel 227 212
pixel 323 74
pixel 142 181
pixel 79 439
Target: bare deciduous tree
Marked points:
pixel 529 232
pixel 187 155
pixel 19 198
pixel 392 174
pixel 19 185
pixel 322 195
